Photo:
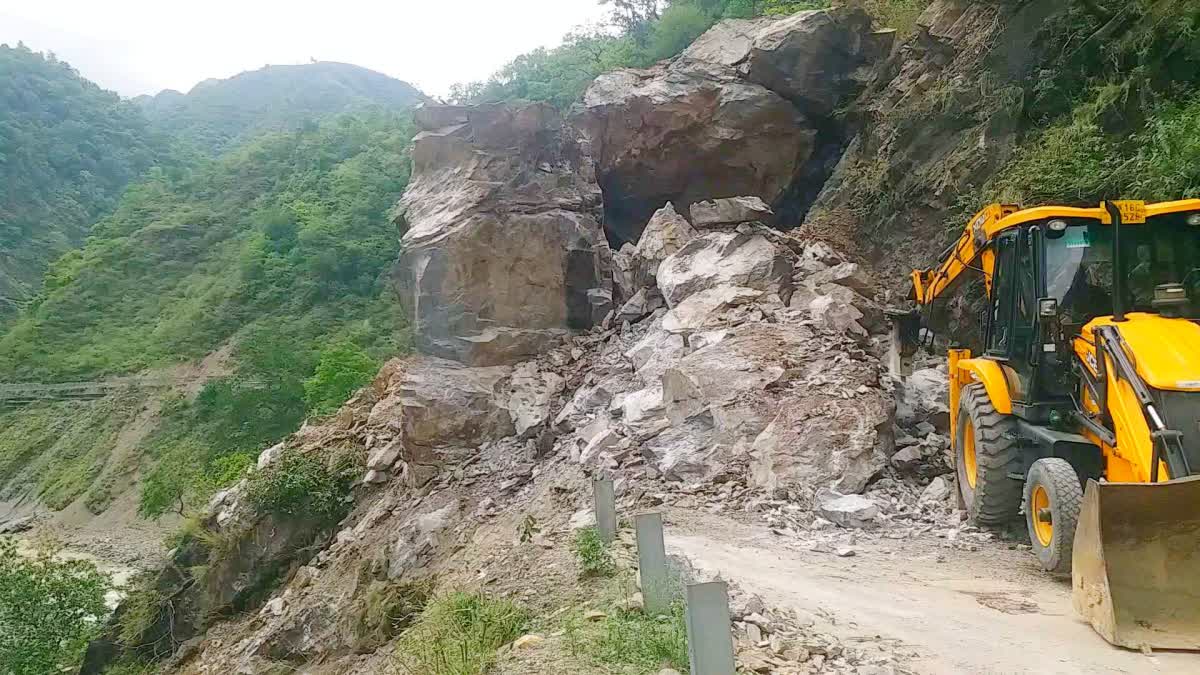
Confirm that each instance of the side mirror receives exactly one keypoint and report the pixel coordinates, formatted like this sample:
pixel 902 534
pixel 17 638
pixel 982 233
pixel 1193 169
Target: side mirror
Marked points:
pixel 1047 307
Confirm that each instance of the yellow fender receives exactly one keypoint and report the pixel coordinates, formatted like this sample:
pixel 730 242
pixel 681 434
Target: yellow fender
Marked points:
pixel 992 376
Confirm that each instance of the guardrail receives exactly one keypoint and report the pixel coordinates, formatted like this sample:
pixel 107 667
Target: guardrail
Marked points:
pixel 709 629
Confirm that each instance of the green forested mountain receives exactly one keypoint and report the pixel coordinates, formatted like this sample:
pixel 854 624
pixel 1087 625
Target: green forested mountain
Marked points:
pixel 280 248
pixel 67 150
pixel 251 213
pixel 217 114
pixel 289 232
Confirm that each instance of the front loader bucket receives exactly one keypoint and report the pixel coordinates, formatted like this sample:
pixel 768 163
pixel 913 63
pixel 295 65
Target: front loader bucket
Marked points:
pixel 1136 565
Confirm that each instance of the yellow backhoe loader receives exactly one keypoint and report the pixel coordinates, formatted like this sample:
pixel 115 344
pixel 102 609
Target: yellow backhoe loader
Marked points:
pixel 1082 411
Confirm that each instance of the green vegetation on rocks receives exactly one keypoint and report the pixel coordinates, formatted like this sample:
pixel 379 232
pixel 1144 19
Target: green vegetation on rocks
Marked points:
pixel 1119 116
pixel 304 486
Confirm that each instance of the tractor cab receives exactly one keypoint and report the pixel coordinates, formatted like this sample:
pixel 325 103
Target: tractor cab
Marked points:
pixel 1055 276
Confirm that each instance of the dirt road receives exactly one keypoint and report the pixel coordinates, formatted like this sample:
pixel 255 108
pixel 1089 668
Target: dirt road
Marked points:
pixel 985 611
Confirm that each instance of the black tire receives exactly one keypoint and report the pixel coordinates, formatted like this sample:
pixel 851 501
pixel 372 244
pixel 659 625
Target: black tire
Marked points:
pixel 1060 483
pixel 995 498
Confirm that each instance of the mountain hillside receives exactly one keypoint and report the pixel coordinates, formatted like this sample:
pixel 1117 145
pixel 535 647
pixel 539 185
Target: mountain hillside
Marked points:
pixel 217 114
pixel 290 230
pixel 67 150
pixel 262 241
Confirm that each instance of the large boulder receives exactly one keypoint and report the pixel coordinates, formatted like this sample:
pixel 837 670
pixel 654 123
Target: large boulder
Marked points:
pixel 446 409
pixel 665 234
pixel 813 59
pixel 688 131
pixel 746 259
pixel 731 211
pixel 834 426
pixel 503 254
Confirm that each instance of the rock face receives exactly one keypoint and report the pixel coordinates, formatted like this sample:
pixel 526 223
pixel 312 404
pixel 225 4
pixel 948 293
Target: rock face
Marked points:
pixel 731 211
pixel 810 58
pixel 930 153
pixel 503 253
pixel 745 259
pixel 439 409
pixel 747 111
pixel 688 131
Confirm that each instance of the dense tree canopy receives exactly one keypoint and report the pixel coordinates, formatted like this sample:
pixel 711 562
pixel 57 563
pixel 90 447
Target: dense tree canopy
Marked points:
pixel 67 150
pixel 290 230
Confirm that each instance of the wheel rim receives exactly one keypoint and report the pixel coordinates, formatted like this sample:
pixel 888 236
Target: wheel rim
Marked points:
pixel 1043 527
pixel 970 465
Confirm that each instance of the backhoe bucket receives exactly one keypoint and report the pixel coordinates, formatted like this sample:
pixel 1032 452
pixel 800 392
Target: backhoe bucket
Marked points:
pixel 1136 565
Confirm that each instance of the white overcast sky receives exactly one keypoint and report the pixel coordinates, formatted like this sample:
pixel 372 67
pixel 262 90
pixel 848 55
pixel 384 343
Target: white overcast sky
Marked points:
pixel 144 46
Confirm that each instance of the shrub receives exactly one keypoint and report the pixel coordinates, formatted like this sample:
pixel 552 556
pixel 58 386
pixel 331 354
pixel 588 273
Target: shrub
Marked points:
pixel 342 369
pixel 459 633
pixel 143 609
pixel 49 610
pixel 593 556
pixel 303 486
pixel 384 611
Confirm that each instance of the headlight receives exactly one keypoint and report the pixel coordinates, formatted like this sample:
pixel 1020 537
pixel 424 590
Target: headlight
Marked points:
pixel 1194 219
pixel 1061 225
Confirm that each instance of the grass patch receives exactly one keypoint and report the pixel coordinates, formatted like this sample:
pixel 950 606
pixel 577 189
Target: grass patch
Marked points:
pixel 630 639
pixel 591 553
pixel 385 611
pixel 459 634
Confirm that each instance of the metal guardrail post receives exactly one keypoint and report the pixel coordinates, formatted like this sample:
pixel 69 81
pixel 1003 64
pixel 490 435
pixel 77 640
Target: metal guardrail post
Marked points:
pixel 606 508
pixel 710 639
pixel 652 564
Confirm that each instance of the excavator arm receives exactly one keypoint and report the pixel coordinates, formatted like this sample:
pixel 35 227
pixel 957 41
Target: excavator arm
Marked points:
pixel 971 251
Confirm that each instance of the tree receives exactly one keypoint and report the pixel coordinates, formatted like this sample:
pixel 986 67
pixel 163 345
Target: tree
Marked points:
pixel 630 14
pixel 343 369
pixel 49 610
pixel 678 27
